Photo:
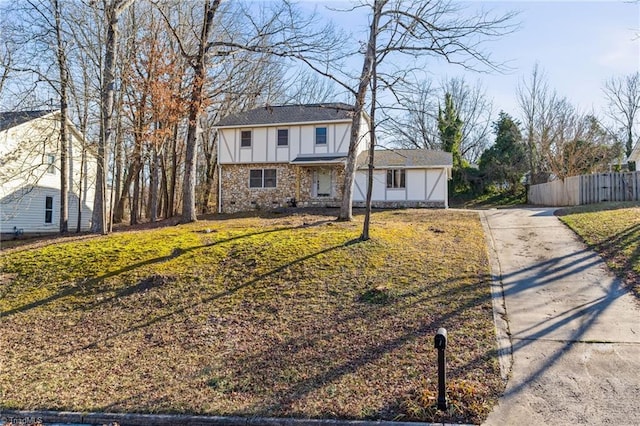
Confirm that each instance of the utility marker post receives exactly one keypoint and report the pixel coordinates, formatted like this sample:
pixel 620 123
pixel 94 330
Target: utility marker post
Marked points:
pixel 440 343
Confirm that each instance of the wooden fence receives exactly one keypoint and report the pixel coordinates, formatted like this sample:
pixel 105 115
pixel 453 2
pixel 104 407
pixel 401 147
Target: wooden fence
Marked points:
pixel 587 189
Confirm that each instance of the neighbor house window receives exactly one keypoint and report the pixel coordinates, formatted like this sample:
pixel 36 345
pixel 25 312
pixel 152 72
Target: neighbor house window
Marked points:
pixel 51 164
pixel 321 135
pixel 396 178
pixel 48 210
pixel 262 178
pixel 245 138
pixel 283 137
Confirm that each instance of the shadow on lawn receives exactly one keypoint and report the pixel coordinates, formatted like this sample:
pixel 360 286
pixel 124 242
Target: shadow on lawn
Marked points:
pixel 350 357
pixel 623 264
pixel 89 286
pixel 210 298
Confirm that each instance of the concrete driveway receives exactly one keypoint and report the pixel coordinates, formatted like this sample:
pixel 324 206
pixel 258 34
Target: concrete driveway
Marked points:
pixel 574 332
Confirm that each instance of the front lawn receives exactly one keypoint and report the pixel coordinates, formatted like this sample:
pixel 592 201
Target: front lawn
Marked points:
pixel 612 229
pixel 283 316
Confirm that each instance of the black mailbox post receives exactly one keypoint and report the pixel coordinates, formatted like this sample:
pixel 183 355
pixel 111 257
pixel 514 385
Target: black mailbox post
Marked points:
pixel 440 343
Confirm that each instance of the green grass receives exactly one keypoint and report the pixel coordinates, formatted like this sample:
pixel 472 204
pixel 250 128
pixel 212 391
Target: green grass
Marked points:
pixel 491 198
pixel 285 316
pixel 612 229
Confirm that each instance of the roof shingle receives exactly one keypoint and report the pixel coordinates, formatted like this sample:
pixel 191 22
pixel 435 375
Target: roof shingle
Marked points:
pixel 408 158
pixel 289 114
pixel 12 119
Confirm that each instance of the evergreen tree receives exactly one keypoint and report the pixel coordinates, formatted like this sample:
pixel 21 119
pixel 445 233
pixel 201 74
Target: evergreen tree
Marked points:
pixel 505 162
pixel 450 129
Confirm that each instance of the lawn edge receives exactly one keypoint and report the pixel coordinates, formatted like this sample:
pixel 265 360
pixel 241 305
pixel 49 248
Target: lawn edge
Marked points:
pixel 500 318
pixel 131 419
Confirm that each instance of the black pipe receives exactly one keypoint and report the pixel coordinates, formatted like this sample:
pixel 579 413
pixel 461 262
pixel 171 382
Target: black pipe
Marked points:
pixel 440 343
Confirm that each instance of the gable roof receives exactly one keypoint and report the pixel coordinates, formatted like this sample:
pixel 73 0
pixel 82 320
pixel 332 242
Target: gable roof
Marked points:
pixel 289 114
pixel 408 158
pixel 15 118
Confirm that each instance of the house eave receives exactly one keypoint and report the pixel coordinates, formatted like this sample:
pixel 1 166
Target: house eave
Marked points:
pixel 284 124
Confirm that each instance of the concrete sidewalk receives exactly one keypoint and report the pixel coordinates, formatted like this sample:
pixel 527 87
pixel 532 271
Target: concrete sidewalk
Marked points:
pixel 574 332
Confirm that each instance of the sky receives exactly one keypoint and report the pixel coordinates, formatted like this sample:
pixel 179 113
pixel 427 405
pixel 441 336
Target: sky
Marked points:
pixel 578 45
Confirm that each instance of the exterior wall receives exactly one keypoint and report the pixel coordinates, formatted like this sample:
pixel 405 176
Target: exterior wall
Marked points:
pixel 264 145
pixel 291 182
pixel 26 180
pixel 424 188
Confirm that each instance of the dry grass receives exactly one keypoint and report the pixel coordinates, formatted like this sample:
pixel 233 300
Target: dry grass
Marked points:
pixel 284 316
pixel 612 229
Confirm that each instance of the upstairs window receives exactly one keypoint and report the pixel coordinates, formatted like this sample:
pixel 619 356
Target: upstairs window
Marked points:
pixel 48 210
pixel 245 138
pixel 396 179
pixel 51 164
pixel 283 137
pixel 321 135
pixel 262 178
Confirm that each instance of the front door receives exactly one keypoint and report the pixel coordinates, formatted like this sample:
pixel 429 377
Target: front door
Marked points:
pixel 322 183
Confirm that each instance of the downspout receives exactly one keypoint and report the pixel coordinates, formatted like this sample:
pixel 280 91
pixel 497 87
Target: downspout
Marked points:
pixel 219 176
pixel 446 188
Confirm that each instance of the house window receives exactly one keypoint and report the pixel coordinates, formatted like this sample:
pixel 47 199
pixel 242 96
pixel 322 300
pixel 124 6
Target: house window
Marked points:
pixel 396 178
pixel 262 178
pixel 51 164
pixel 321 135
pixel 245 138
pixel 48 210
pixel 283 137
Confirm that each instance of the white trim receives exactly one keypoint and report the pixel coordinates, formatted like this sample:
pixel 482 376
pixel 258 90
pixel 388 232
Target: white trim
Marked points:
pixel 293 123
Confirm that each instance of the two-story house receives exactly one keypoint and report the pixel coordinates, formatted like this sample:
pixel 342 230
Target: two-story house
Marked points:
pixel 30 174
pixel 296 154
pixel 282 155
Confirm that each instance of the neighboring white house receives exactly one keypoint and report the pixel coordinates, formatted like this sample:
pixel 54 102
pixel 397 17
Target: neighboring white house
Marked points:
pixel 30 174
pixel 270 157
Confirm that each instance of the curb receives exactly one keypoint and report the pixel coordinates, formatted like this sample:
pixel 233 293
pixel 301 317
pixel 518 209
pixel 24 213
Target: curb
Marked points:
pixel 500 319
pixel 112 419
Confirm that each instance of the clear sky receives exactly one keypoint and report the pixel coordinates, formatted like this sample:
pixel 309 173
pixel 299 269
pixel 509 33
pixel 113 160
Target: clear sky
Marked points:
pixel 577 44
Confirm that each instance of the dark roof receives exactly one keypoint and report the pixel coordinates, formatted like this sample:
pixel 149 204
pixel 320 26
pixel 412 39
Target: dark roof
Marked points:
pixel 289 114
pixel 12 119
pixel 408 158
pixel 317 159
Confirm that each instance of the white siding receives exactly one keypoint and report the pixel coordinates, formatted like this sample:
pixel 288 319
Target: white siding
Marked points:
pixel 416 184
pixel 26 181
pixel 264 147
pixel 422 185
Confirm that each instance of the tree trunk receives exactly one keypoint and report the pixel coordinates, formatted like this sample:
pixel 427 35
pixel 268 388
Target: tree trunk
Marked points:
pixel 346 209
pixel 195 108
pixel 154 185
pixel 372 145
pixel 64 162
pixel 112 11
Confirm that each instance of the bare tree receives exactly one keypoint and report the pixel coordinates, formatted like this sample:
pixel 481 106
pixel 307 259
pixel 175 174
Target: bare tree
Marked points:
pixel 475 111
pixel 535 100
pixel 417 126
pixel 623 95
pixel 112 10
pixel 419 29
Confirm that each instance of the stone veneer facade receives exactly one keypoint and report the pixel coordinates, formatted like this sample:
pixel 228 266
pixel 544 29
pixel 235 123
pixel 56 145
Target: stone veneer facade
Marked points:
pixel 292 181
